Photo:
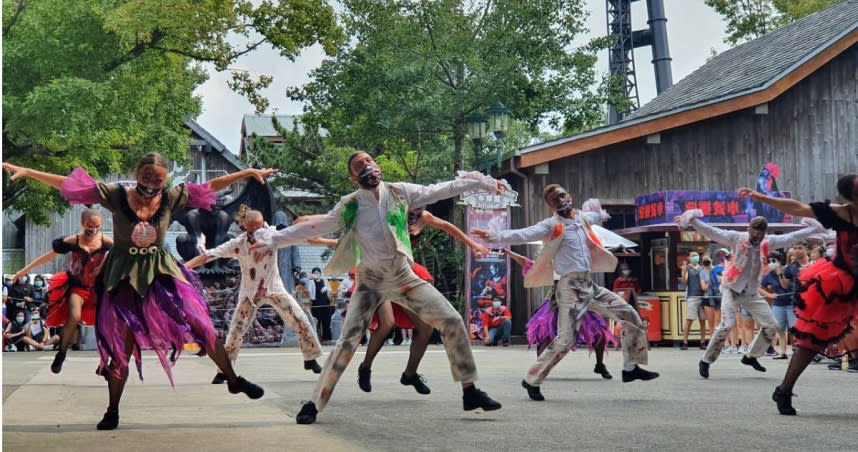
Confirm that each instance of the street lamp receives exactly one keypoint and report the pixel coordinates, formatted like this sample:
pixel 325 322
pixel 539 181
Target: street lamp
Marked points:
pixel 496 122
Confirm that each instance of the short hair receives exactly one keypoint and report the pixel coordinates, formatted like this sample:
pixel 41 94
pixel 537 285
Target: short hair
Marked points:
pixel 550 188
pixel 845 185
pixel 316 269
pixel 800 243
pixel 775 255
pixel 88 213
pixel 759 223
pixel 252 215
pixel 353 157
pixel 692 251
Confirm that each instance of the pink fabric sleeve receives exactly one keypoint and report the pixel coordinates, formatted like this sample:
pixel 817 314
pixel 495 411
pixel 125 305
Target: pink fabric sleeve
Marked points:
pixel 80 188
pixel 200 196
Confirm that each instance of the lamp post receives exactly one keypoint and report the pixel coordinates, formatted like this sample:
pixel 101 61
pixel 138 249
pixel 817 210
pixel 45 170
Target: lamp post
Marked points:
pixel 497 122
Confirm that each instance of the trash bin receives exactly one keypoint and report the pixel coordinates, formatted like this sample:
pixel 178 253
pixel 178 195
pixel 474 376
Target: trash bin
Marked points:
pixel 649 308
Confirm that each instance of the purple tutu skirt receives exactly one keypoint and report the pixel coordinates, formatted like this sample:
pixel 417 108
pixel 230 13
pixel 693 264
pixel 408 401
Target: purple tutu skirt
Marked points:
pixel 592 330
pixel 171 311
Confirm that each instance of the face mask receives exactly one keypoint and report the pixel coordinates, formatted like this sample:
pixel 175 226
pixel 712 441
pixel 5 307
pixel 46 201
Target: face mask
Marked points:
pixel 754 240
pixel 316 275
pixel 707 263
pixel 369 177
pixel 35 317
pixel 251 239
pixel 38 284
pixel 695 259
pixel 565 209
pixel 19 319
pixel 303 281
pixel 92 232
pixel 496 304
pixel 147 192
pixel 829 252
pixel 25 280
pixel 7 282
pixel 627 272
pixel 773 265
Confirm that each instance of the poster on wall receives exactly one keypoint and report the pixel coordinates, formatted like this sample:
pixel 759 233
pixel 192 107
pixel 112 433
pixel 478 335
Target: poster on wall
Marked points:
pixel 486 278
pixel 717 207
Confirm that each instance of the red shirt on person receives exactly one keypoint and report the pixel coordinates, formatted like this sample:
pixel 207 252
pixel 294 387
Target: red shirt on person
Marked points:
pixel 494 317
pixel 626 282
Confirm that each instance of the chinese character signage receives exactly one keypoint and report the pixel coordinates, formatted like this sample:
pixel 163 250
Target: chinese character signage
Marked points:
pixel 717 207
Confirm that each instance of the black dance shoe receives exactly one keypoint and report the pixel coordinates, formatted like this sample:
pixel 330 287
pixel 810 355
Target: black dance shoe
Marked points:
pixel 638 374
pixel 473 398
pixel 750 361
pixel 533 391
pixel 110 420
pixel 57 365
pixel 784 401
pixel 308 413
pixel 603 371
pixel 241 385
pixel 219 379
pixel 703 369
pixel 417 381
pixel 363 378
pixel 312 365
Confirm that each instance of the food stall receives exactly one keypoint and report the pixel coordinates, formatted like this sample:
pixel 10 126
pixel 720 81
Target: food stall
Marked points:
pixel 663 247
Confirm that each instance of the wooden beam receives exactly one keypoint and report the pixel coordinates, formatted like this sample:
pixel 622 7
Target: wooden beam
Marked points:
pixel 675 120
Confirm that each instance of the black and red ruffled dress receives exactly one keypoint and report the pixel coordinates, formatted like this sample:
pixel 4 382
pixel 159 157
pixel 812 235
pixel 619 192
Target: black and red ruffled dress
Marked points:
pixel 826 314
pixel 79 279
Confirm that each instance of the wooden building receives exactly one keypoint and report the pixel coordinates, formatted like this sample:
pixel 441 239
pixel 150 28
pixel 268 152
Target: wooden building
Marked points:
pixel 789 97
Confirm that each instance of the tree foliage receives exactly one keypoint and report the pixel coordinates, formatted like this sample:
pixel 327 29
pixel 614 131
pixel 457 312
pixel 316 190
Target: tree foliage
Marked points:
pixel 413 70
pixel 96 83
pixel 749 19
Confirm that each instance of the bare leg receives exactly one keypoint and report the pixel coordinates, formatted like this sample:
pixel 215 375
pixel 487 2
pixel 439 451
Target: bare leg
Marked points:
pixel 377 337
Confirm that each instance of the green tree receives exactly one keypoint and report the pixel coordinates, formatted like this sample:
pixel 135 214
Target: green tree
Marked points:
pixel 97 82
pixel 749 19
pixel 413 70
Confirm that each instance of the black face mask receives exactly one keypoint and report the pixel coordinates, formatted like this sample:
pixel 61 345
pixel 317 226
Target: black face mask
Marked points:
pixel 92 232
pixel 147 192
pixel 754 241
pixel 565 209
pixel 707 263
pixel 369 177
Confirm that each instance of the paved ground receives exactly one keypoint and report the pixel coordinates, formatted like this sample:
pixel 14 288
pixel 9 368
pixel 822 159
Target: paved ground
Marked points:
pixel 679 411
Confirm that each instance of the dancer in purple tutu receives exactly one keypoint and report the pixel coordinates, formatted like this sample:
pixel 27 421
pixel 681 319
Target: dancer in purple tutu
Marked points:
pixel 146 298
pixel 542 326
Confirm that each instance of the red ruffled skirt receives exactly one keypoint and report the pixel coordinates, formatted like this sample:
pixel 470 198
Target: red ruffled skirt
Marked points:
pixel 400 318
pixel 826 314
pixel 58 301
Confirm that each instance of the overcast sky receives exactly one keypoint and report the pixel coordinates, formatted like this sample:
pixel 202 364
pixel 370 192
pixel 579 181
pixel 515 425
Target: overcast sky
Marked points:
pixel 692 30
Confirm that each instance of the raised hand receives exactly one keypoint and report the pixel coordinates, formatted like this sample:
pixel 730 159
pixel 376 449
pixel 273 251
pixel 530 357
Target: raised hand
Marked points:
pixel 746 192
pixel 17 171
pixel 261 174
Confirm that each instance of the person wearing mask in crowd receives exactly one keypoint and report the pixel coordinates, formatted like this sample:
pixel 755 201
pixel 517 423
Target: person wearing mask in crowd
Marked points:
pixel 574 251
pixel 147 299
pixel 38 333
pixel 696 282
pixel 626 280
pixel 775 288
pixel 741 280
pixel 375 218
pixel 320 292
pixel 15 334
pixel 828 296
pixel 40 288
pixel 71 296
pixel 261 284
pixel 497 323
pixel 21 294
pixel 786 317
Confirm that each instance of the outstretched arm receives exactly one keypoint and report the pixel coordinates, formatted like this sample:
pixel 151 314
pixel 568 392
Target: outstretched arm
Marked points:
pixel 518 258
pixel 422 195
pixel 219 183
pixel 692 217
pixel 197 261
pixel 479 250
pixel 43 259
pixel 790 206
pixel 323 241
pixel 52 180
pixel 540 231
